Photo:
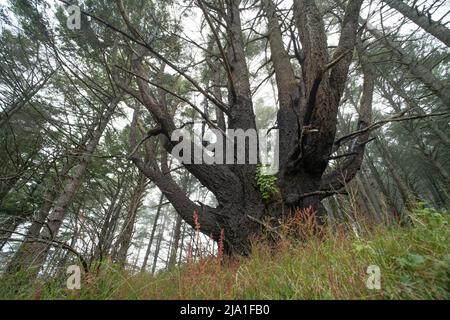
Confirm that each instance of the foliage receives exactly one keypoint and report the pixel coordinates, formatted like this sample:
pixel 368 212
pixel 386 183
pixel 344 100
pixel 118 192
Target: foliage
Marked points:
pixel 266 183
pixel 413 262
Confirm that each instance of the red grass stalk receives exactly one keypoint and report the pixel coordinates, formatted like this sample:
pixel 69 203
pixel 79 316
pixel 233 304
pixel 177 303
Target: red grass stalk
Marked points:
pixel 221 246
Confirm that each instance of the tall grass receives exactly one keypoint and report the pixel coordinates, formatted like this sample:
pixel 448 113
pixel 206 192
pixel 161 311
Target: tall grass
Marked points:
pixel 306 263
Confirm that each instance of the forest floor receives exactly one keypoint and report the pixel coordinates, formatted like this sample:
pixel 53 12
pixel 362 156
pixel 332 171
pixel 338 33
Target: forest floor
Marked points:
pixel 410 262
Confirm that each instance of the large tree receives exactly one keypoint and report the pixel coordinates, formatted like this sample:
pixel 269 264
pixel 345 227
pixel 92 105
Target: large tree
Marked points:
pixel 306 119
pixel 314 60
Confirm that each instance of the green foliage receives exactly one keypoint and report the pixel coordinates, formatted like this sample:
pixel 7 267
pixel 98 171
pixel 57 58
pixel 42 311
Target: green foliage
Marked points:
pixel 413 263
pixel 266 183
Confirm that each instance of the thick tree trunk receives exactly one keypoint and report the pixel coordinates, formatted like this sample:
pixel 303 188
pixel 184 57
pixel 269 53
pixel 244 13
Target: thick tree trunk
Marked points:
pixel 306 124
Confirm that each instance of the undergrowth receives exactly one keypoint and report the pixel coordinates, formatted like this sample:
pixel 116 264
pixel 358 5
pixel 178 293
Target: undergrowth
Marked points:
pixel 316 264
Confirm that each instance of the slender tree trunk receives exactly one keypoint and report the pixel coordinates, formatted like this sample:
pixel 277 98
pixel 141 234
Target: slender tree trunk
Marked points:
pixel 367 200
pixel 175 244
pixel 371 199
pixel 152 235
pixel 126 234
pixel 170 246
pixel 32 255
pixel 423 20
pixel 402 186
pixel 65 254
pixel 180 255
pixel 185 183
pixel 441 198
pixel 158 244
pixel 383 189
pixel 108 225
pixel 417 69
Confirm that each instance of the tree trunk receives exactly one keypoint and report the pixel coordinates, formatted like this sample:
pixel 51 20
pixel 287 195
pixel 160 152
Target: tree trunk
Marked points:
pixel 402 186
pixel 158 244
pixel 152 235
pixel 186 185
pixel 107 225
pixel 424 21
pixel 384 191
pixel 367 200
pixel 32 255
pixel 180 255
pixel 306 123
pixel 417 69
pixel 126 234
pixel 175 244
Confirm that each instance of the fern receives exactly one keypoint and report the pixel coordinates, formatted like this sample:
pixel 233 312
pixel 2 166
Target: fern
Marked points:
pixel 266 183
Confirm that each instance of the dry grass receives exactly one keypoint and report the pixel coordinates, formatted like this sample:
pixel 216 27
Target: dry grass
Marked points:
pixel 307 263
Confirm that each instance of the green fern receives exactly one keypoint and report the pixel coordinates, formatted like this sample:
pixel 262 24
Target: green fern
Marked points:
pixel 266 183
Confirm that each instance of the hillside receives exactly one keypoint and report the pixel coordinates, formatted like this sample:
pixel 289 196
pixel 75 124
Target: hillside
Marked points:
pixel 414 264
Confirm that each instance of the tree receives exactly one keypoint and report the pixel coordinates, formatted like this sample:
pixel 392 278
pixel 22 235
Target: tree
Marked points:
pixel 89 117
pixel 422 19
pixel 306 120
pixel 126 234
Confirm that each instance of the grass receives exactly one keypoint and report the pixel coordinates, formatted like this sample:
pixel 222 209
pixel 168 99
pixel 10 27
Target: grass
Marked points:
pixel 414 264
